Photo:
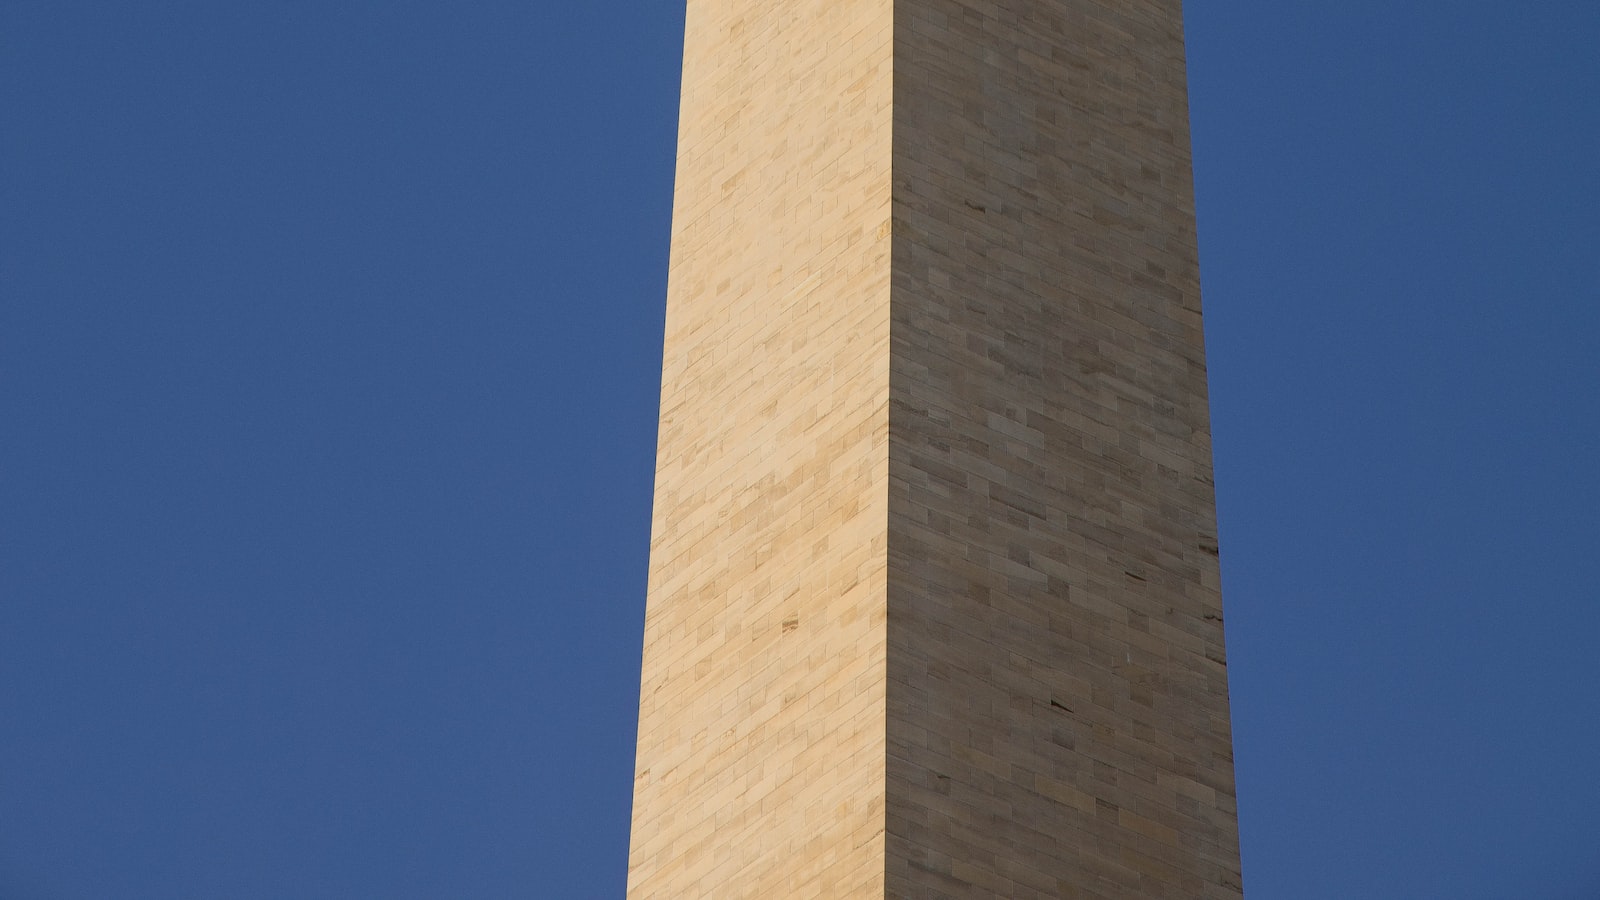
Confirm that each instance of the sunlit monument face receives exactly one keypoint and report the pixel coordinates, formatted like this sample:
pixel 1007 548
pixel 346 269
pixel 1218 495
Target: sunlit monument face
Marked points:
pixel 933 605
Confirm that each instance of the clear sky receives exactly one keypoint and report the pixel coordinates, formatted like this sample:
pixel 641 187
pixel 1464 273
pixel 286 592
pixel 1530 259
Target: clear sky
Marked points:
pixel 329 356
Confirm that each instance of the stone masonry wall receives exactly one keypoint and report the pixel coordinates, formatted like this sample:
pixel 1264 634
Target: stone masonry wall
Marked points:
pixel 761 732
pixel 1058 707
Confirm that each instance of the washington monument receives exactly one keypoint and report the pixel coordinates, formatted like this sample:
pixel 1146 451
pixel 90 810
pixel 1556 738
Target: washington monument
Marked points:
pixel 934 603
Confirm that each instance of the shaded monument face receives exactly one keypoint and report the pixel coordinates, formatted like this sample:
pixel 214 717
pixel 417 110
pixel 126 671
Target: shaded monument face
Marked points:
pixel 933 605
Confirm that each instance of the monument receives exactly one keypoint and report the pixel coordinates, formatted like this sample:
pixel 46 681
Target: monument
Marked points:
pixel 934 600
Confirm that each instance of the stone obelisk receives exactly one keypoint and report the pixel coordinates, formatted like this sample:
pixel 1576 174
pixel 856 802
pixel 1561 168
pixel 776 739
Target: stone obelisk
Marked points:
pixel 934 600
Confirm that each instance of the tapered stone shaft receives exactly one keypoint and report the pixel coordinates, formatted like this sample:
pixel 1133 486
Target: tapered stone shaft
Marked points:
pixel 934 600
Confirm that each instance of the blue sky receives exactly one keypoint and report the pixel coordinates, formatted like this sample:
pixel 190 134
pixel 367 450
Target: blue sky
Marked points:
pixel 329 356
